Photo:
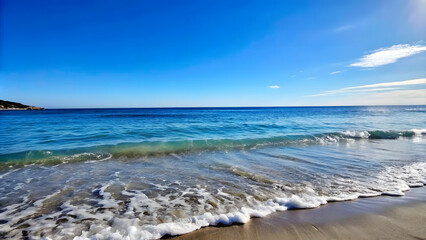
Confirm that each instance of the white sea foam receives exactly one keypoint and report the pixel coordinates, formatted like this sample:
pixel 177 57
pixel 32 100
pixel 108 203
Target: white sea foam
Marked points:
pixel 7 173
pixel 124 229
pixel 356 134
pixel 137 221
pixel 346 136
pixel 417 109
pixel 329 139
pixel 419 132
pixel 88 157
pixel 26 209
pixel 107 200
pixel 395 181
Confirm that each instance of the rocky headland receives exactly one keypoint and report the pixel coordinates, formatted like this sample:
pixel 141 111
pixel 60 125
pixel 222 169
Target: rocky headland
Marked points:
pixel 7 105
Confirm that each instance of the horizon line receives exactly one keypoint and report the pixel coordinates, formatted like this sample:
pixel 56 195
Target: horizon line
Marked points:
pixel 289 106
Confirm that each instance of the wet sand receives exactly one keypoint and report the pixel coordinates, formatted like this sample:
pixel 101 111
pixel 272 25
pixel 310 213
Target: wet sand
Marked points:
pixel 381 217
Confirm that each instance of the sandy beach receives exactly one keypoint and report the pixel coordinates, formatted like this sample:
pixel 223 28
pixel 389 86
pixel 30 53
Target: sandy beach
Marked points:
pixel 381 217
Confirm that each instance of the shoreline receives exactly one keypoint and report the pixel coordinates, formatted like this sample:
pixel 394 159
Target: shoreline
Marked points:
pixel 22 109
pixel 381 217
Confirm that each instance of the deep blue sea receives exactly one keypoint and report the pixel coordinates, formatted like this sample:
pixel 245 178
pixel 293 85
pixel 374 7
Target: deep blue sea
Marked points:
pixel 147 173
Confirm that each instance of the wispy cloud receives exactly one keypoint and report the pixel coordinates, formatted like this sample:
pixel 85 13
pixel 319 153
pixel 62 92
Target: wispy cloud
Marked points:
pixel 388 55
pixel 343 28
pixel 399 97
pixel 378 87
pixel 337 72
pixel 274 86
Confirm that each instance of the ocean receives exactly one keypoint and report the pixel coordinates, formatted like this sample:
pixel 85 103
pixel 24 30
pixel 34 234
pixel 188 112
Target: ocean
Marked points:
pixel 152 173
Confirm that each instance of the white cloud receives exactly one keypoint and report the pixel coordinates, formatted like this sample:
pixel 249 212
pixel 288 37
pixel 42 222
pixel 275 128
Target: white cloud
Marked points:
pixel 378 87
pixel 274 86
pixel 337 72
pixel 391 84
pixel 374 90
pixel 398 97
pixel 388 55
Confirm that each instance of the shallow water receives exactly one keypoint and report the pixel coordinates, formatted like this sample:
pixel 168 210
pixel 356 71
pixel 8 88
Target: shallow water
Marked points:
pixel 146 173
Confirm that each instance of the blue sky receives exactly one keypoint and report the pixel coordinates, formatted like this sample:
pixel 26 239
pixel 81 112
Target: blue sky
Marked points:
pixel 212 53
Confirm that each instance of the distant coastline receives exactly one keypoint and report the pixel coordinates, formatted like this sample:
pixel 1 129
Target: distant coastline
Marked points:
pixel 7 105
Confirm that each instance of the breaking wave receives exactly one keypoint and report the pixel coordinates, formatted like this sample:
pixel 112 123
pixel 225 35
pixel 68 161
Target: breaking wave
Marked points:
pixel 159 148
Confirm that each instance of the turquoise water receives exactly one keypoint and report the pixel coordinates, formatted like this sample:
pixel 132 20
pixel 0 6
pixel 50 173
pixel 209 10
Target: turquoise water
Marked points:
pixel 146 173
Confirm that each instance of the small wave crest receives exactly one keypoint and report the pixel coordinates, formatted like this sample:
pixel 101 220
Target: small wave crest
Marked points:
pixel 416 109
pixel 158 148
pixel 50 158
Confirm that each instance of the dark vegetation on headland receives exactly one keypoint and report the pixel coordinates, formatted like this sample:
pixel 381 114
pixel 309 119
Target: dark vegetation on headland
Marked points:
pixel 7 105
